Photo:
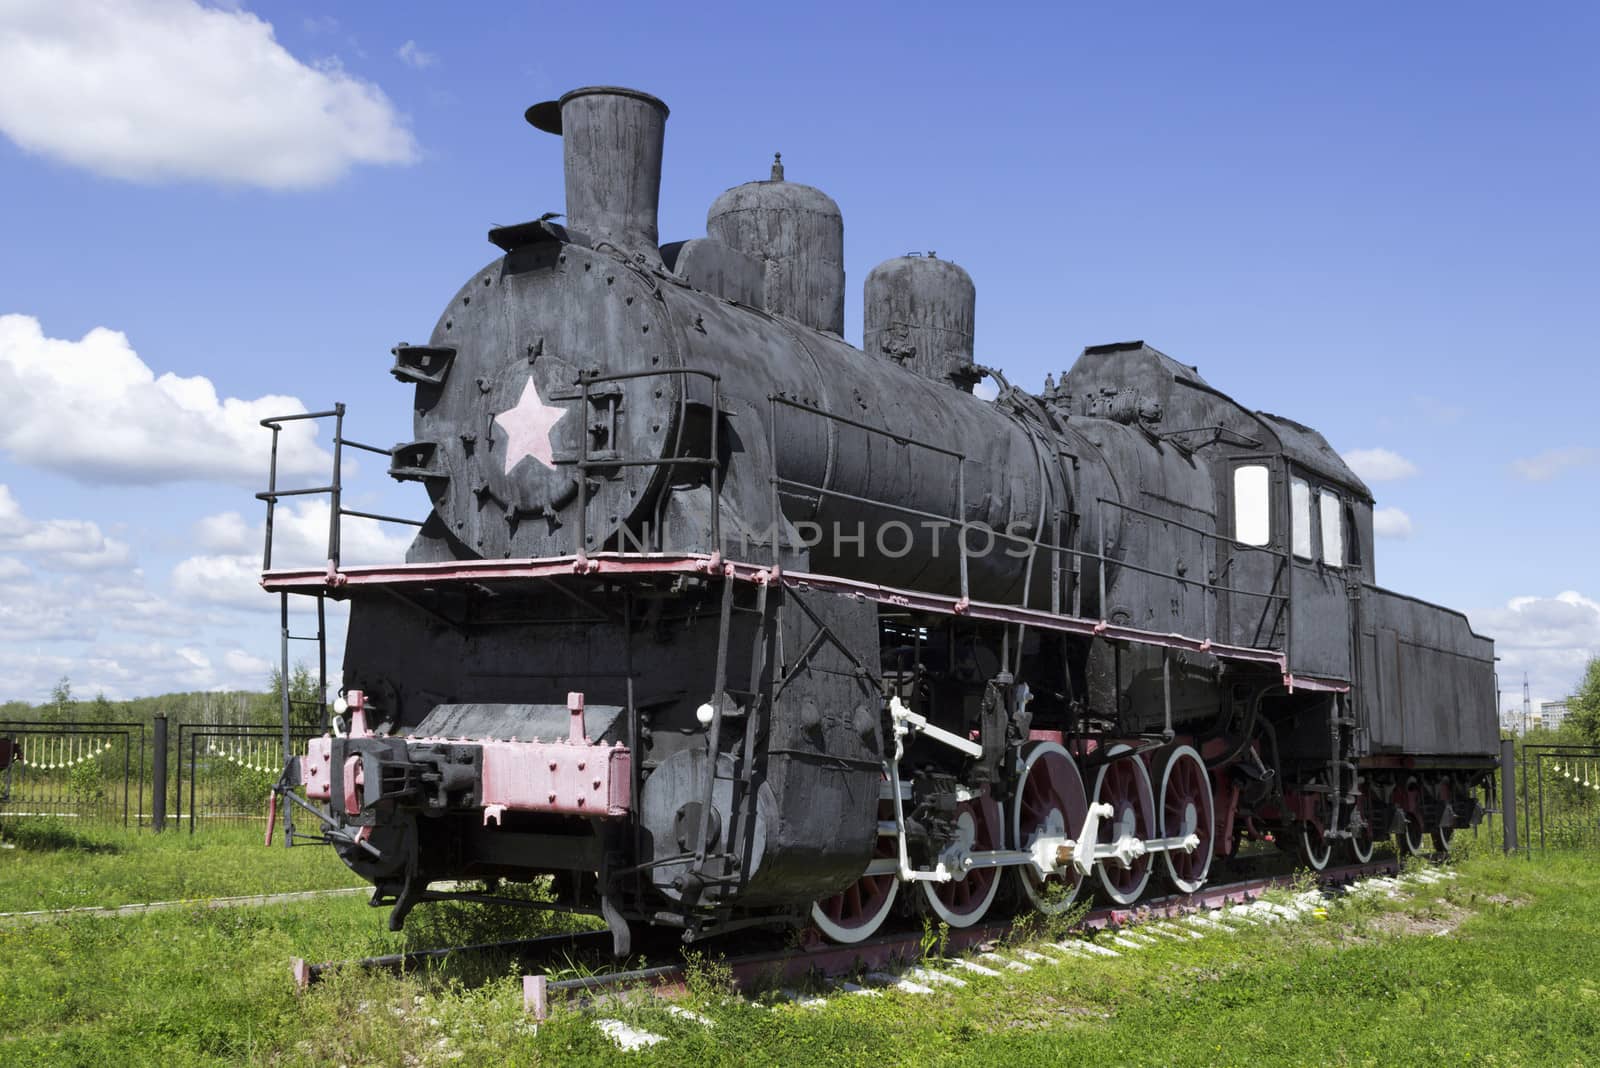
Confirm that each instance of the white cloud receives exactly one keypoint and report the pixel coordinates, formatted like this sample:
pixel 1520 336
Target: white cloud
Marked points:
pixel 157 90
pixel 1552 462
pixel 1379 465
pixel 299 539
pixel 94 410
pixel 35 612
pixel 12 569
pixel 243 664
pixel 226 533
pixel 226 580
pixel 412 56
pixel 1549 638
pixel 1390 523
pixel 987 389
pixel 57 544
pixel 123 669
pixel 319 24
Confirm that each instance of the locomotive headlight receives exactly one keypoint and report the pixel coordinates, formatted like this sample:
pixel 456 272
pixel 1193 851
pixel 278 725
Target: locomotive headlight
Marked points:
pixel 705 713
pixel 340 705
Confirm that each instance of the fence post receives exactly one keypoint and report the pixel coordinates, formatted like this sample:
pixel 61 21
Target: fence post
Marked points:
pixel 158 776
pixel 1508 792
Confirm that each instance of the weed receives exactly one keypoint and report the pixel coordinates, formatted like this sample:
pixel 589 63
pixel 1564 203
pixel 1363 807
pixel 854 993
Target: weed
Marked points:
pixel 935 939
pixel 708 980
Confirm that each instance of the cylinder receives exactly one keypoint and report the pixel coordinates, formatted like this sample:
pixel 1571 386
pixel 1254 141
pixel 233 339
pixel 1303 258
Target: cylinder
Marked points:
pixel 611 142
pixel 797 232
pixel 919 312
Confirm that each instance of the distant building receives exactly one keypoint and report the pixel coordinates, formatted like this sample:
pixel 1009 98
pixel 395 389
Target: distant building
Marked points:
pixel 1552 714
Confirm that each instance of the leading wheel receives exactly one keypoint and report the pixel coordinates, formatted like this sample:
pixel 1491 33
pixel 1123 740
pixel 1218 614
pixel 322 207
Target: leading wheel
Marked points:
pixel 1186 808
pixel 1050 802
pixel 1124 784
pixel 855 913
pixel 963 900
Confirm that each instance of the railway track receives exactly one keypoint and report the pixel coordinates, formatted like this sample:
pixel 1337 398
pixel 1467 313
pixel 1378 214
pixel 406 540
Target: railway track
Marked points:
pixel 781 966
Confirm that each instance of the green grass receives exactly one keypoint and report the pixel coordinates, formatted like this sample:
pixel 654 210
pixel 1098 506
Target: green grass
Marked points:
pixel 57 866
pixel 1515 980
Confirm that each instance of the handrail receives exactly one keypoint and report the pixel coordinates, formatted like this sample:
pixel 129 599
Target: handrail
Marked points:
pixel 712 462
pixel 1064 579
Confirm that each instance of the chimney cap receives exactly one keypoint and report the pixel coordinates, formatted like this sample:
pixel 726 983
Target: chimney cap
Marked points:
pixel 546 115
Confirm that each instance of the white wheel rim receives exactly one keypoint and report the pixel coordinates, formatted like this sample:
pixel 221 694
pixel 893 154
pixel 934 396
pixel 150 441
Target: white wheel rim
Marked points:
pixel 1060 894
pixel 1126 896
pixel 1191 822
pixel 850 935
pixel 846 934
pixel 1314 859
pixel 967 821
pixel 1361 848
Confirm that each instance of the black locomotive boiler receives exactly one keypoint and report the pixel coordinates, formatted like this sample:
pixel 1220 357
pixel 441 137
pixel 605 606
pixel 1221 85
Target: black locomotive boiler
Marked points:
pixel 721 620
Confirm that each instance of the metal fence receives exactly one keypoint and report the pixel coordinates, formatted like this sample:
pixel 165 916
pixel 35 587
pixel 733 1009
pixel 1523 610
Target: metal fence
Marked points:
pixel 1559 792
pixel 225 771
pixel 84 772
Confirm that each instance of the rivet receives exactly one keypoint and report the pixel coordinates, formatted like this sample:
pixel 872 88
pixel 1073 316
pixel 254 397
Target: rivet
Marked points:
pixel 580 802
pixel 580 765
pixel 597 784
pixel 552 797
pixel 552 765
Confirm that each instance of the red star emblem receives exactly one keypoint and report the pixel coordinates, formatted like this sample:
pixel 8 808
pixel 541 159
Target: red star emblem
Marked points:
pixel 528 426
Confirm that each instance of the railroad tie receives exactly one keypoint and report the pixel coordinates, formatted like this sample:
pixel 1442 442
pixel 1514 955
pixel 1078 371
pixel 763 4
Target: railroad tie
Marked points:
pixel 1016 966
pixel 627 1038
pixel 923 975
pixel 693 1017
pixel 967 965
pixel 903 985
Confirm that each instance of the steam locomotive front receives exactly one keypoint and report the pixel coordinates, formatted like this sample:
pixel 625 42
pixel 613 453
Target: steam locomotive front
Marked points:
pixel 550 361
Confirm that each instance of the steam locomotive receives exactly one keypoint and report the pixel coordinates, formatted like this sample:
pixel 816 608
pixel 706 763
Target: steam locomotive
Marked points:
pixel 722 621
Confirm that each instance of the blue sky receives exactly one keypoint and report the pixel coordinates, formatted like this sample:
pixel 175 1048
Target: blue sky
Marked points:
pixel 1377 219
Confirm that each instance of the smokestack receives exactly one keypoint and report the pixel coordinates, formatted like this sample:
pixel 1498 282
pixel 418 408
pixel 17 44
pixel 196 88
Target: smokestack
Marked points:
pixel 611 142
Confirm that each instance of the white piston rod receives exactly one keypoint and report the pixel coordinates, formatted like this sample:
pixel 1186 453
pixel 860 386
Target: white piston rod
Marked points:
pixel 1044 853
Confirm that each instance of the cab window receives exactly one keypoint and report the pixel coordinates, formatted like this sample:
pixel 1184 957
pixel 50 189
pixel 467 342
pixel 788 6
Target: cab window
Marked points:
pixel 1332 515
pixel 1300 517
pixel 1252 505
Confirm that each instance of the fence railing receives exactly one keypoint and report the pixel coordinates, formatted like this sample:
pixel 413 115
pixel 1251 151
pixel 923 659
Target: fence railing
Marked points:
pixel 1559 793
pixel 81 771
pixel 226 771
pixel 124 774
